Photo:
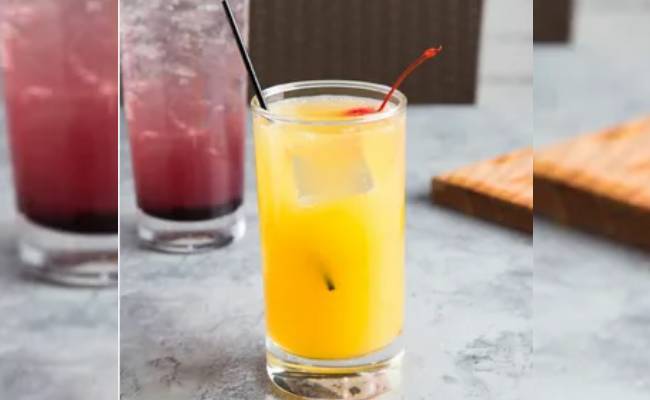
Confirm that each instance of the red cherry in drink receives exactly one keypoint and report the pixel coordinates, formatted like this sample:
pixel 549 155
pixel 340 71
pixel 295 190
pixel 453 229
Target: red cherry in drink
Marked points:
pixel 426 55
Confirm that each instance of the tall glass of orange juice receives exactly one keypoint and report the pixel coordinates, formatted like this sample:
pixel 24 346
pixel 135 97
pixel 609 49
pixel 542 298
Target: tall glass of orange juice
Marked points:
pixel 331 202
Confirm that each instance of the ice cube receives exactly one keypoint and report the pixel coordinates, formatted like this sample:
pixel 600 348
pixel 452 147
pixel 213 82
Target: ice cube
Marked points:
pixel 93 6
pixel 329 168
pixel 32 93
pixel 182 71
pixel 83 72
pixel 146 135
pixel 216 152
pixel 6 60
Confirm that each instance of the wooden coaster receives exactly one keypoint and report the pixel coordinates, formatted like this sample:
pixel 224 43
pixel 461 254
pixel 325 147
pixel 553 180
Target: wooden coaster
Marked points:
pixel 599 182
pixel 498 190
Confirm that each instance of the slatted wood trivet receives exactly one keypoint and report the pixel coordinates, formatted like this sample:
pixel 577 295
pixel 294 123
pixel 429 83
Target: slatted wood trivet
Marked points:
pixel 499 190
pixel 599 182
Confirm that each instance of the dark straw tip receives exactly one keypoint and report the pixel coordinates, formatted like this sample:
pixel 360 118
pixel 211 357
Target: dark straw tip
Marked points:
pixel 244 54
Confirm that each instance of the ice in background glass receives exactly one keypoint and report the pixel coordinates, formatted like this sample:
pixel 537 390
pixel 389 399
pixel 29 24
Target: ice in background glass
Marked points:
pixel 185 89
pixel 332 203
pixel 59 60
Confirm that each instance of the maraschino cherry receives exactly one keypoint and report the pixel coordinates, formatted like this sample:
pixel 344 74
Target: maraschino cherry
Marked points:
pixel 428 54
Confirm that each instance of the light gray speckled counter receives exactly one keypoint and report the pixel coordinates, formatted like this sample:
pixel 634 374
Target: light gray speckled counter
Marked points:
pixel 193 327
pixel 55 343
pixel 592 298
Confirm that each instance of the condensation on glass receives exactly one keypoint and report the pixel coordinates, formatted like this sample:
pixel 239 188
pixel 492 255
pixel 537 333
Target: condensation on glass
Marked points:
pixel 185 93
pixel 59 61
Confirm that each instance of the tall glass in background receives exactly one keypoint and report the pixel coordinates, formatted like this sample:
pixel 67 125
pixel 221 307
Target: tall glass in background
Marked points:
pixel 59 60
pixel 185 88
pixel 331 201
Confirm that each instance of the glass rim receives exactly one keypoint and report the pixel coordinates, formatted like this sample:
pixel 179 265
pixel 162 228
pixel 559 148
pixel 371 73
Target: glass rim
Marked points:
pixel 338 84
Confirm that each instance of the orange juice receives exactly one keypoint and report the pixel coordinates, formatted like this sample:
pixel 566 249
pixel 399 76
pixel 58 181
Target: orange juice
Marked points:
pixel 331 203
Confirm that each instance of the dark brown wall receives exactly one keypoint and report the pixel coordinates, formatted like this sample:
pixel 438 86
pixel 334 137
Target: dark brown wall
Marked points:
pixel 371 40
pixel 553 20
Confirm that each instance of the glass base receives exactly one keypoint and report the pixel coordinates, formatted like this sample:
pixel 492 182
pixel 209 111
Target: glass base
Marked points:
pixel 360 378
pixel 190 237
pixel 68 258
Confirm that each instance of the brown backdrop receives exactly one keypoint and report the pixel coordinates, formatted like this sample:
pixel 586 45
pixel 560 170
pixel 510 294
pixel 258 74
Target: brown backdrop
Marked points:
pixel 552 20
pixel 371 40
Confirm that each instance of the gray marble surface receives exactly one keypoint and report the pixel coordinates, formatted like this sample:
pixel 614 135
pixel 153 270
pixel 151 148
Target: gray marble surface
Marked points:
pixel 192 327
pixel 55 343
pixel 592 297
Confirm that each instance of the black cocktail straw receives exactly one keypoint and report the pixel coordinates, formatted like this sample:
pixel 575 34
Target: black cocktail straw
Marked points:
pixel 258 88
pixel 244 54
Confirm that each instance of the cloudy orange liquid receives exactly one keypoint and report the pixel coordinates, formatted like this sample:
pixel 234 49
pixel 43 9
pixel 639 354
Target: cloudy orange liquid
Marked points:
pixel 333 240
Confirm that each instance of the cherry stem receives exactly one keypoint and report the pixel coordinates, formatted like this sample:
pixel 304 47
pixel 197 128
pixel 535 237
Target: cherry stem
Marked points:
pixel 426 55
